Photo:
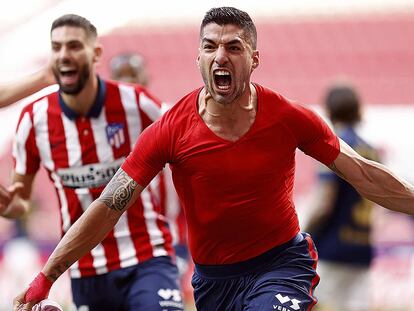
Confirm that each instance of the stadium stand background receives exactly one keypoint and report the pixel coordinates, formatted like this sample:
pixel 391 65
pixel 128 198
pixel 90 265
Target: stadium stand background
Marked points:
pixel 303 46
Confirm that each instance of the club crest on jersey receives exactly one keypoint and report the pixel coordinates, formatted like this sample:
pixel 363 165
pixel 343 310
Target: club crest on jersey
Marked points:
pixel 115 134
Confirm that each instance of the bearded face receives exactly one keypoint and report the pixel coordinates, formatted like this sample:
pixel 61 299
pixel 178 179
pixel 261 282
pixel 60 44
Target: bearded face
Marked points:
pixel 72 57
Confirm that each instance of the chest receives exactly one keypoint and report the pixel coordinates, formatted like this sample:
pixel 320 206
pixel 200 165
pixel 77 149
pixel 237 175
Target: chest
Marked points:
pixel 230 129
pixel 63 142
pixel 265 150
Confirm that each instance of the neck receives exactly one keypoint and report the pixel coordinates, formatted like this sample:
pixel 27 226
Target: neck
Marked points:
pixel 245 103
pixel 83 101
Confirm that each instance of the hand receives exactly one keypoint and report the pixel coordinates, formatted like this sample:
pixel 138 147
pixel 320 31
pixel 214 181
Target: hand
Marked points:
pixel 48 75
pixel 19 305
pixel 7 195
pixel 37 291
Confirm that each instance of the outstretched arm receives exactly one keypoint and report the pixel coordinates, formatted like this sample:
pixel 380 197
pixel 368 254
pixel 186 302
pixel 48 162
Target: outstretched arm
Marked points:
pixel 17 90
pixel 90 229
pixel 374 181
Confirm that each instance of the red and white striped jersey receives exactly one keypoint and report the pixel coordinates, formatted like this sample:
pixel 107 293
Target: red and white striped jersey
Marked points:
pixel 81 155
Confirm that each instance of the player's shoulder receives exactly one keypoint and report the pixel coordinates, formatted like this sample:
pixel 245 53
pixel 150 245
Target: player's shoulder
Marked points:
pixel 277 104
pixel 39 101
pixel 112 85
pixel 184 108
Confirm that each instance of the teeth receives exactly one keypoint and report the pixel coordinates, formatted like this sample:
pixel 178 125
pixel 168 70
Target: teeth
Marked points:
pixel 222 73
pixel 65 69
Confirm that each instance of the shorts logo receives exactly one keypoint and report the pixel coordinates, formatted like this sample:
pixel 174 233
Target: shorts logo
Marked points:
pixel 170 298
pixel 285 299
pixel 115 134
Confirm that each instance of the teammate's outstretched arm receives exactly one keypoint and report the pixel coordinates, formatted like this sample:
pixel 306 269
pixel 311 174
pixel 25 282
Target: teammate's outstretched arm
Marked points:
pixel 374 181
pixel 90 229
pixel 17 90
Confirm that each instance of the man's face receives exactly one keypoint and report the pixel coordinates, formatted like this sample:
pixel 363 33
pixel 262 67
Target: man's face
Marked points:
pixel 226 60
pixel 73 56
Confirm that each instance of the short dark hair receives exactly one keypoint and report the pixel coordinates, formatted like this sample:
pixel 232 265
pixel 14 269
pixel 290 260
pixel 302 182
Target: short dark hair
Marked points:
pixel 229 15
pixel 343 104
pixel 75 21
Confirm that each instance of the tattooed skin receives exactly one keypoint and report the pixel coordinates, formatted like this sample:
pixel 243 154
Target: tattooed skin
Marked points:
pixel 336 170
pixel 57 271
pixel 118 192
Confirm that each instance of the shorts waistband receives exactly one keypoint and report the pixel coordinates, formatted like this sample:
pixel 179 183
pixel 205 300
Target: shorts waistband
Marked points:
pixel 243 267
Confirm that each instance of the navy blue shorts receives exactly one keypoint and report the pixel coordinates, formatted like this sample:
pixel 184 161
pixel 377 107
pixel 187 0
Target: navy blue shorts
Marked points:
pixel 282 278
pixel 149 286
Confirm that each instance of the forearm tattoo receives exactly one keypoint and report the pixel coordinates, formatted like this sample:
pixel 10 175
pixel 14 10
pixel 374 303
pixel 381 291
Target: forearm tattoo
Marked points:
pixel 59 270
pixel 118 192
pixel 336 170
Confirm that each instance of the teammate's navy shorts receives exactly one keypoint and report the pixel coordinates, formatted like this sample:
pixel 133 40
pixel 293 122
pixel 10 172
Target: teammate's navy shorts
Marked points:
pixel 282 278
pixel 148 286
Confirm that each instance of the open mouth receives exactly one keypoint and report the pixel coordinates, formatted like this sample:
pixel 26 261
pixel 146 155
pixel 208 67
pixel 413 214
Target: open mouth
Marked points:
pixel 68 76
pixel 222 79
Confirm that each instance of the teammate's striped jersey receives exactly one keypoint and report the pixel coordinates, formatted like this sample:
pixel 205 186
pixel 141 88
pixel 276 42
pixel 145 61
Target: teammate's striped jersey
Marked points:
pixel 81 155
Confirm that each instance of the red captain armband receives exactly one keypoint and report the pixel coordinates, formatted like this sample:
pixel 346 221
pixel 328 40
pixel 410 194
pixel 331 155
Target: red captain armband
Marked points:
pixel 38 289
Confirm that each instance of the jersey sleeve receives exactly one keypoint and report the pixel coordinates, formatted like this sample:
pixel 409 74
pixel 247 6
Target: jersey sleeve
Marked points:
pixel 314 136
pixel 147 158
pixel 25 152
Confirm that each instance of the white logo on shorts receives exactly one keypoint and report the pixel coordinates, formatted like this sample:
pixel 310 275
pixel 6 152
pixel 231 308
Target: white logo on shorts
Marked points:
pixel 171 298
pixel 286 299
pixel 168 294
pixel 81 308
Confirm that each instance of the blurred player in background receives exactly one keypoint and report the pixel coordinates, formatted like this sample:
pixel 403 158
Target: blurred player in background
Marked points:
pixel 341 223
pixel 81 135
pixel 129 67
pixel 231 145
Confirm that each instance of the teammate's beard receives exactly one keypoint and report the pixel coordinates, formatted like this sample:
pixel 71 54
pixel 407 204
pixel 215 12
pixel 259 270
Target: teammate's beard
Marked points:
pixel 76 88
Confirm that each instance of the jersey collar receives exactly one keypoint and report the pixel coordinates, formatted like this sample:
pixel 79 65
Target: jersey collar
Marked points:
pixel 95 109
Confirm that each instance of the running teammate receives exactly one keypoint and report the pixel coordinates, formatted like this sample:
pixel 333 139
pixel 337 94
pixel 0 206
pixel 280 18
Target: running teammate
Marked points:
pixel 81 135
pixel 231 146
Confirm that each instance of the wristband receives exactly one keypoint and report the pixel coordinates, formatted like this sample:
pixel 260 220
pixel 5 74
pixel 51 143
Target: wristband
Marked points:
pixel 38 289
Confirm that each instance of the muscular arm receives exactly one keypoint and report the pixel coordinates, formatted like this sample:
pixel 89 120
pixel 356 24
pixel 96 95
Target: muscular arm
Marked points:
pixel 12 92
pixel 95 223
pixel 374 181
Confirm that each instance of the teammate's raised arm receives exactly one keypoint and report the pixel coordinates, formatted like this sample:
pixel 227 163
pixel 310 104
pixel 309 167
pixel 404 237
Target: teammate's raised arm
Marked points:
pixel 14 91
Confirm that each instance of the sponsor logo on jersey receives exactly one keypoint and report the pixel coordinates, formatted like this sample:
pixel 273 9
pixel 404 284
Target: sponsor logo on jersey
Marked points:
pixel 287 303
pixel 115 134
pixel 90 175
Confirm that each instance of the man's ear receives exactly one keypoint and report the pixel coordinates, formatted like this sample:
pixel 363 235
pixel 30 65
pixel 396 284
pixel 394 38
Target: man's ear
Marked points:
pixel 97 53
pixel 255 60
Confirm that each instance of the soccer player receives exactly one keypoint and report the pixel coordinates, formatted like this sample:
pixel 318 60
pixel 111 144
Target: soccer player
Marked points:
pixel 129 67
pixel 341 224
pixel 81 135
pixel 231 146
